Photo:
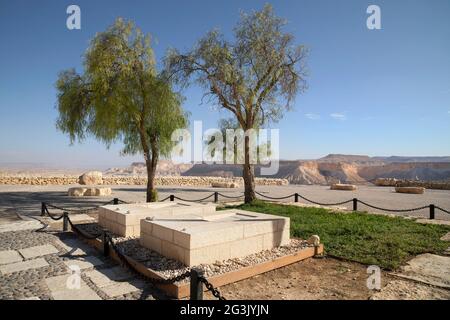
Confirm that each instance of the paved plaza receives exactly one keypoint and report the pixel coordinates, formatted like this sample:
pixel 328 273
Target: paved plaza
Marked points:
pixel 26 199
pixel 59 266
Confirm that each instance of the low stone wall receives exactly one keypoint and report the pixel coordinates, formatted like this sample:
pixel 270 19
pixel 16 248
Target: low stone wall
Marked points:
pixel 389 182
pixel 160 181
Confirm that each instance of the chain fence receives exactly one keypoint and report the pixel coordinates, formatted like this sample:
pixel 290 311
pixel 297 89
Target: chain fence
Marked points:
pixel 45 206
pixel 393 210
pixel 432 208
pixel 443 210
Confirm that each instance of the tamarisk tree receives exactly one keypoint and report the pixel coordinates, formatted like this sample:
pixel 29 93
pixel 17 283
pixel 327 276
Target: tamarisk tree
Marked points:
pixel 255 77
pixel 121 97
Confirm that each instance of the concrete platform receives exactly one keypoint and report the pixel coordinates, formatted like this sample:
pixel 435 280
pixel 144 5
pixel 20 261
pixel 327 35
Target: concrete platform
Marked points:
pixel 124 219
pixel 197 239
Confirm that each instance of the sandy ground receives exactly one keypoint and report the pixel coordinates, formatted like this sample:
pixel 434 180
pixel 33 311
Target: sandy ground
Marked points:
pixel 327 279
pixel 324 279
pixel 26 199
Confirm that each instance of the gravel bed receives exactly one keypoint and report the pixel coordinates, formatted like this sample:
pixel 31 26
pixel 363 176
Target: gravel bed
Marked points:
pixel 169 268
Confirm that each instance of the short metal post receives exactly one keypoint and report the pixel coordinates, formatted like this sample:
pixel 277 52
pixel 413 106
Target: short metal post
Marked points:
pixel 432 211
pixel 355 204
pixel 42 209
pixel 172 197
pixel 296 197
pixel 65 221
pixel 196 285
pixel 105 242
pixel 116 201
pixel 216 197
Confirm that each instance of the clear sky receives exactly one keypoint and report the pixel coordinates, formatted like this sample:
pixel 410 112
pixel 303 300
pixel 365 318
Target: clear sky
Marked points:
pixel 374 92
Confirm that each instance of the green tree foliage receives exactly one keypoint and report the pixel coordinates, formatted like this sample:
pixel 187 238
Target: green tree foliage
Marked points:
pixel 255 77
pixel 121 97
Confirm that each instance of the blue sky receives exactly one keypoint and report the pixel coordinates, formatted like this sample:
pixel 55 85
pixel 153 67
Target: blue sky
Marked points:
pixel 374 92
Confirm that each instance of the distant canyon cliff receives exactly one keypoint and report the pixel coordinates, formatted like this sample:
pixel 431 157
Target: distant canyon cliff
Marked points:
pixel 330 169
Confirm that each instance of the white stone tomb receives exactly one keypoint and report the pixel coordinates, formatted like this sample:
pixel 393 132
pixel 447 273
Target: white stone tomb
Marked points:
pixel 124 219
pixel 194 239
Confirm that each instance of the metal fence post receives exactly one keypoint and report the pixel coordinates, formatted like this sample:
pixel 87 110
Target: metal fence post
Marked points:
pixel 105 242
pixel 65 221
pixel 432 207
pixel 116 201
pixel 42 209
pixel 196 285
pixel 172 197
pixel 296 197
pixel 355 204
pixel 216 197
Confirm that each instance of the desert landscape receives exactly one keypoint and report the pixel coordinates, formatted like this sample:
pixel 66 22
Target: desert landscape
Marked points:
pixel 429 172
pixel 115 118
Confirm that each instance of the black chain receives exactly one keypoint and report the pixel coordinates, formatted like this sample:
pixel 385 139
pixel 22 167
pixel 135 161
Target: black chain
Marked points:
pixel 214 291
pixel 198 200
pixel 81 232
pixel 443 210
pixel 393 210
pixel 229 197
pixel 274 198
pixel 52 216
pixel 80 210
pixel 165 199
pixel 325 204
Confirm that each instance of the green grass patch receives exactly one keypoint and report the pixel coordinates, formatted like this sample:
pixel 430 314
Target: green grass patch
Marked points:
pixel 367 238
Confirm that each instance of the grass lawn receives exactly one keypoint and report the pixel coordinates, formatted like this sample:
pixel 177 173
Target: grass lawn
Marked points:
pixel 366 238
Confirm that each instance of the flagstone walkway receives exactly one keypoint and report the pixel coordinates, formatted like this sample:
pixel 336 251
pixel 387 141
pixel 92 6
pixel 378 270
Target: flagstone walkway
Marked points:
pixel 54 265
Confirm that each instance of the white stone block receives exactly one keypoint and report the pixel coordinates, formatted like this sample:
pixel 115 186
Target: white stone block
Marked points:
pixel 211 237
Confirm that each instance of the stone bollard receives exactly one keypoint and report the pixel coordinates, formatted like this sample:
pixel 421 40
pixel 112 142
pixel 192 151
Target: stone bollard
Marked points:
pixel 315 240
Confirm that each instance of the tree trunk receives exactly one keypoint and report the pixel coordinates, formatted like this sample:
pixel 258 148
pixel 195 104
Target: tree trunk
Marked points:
pixel 151 162
pixel 150 178
pixel 248 174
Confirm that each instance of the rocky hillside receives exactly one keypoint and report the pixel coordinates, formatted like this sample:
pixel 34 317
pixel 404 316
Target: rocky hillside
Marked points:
pixel 344 168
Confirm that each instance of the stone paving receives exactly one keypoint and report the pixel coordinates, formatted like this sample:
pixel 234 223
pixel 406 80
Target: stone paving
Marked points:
pixel 9 256
pixel 58 266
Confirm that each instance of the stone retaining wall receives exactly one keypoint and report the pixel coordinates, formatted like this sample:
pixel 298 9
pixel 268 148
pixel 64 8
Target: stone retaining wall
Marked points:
pixel 160 181
pixel 390 182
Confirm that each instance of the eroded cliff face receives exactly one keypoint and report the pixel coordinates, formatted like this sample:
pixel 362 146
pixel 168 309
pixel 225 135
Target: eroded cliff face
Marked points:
pixel 328 172
pixel 427 171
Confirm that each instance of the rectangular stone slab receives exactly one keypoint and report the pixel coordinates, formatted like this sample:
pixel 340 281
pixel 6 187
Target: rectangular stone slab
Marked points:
pixel 22 266
pixel 197 239
pixel 38 251
pixel 9 256
pixel 124 219
pixel 60 290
